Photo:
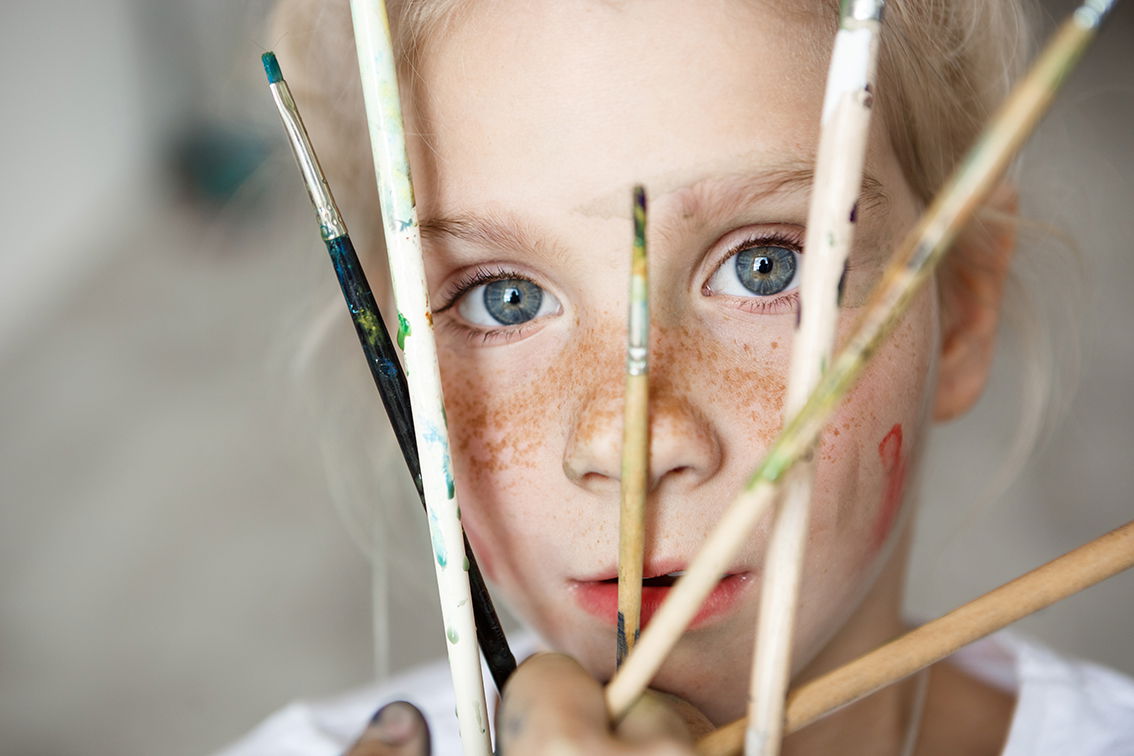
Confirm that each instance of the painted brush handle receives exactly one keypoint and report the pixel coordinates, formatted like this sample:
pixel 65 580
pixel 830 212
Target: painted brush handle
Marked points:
pixel 391 381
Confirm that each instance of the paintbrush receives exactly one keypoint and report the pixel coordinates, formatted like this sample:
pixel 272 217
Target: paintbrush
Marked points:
pixel 381 357
pixel 1064 576
pixel 913 263
pixel 635 441
pixel 378 76
pixel 844 129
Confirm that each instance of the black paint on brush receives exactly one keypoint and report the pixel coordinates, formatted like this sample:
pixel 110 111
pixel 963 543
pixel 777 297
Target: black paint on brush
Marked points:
pixel 622 648
pixel 394 390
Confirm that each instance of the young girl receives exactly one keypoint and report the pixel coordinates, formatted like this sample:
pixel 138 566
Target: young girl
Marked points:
pixel 529 123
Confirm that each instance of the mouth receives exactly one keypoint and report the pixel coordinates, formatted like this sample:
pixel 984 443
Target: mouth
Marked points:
pixel 600 597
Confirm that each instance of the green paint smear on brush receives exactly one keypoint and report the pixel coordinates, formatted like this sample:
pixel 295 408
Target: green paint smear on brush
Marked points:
pixel 368 322
pixel 451 634
pixel 466 564
pixel 403 331
pixel 436 539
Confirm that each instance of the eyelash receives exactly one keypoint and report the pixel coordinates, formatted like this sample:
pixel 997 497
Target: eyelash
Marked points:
pixel 475 334
pixel 788 302
pixel 507 334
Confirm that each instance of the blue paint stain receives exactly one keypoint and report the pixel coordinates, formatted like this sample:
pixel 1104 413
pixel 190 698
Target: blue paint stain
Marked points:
pixel 387 368
pixel 438 542
pixel 433 435
pixel 404 225
pixel 271 67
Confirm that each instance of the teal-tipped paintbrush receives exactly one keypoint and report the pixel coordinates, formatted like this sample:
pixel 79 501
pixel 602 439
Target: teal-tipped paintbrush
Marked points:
pixel 379 350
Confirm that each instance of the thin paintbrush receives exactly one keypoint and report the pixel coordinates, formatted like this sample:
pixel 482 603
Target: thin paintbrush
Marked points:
pixel 378 75
pixel 913 263
pixel 380 354
pixel 1064 576
pixel 635 441
pixel 844 129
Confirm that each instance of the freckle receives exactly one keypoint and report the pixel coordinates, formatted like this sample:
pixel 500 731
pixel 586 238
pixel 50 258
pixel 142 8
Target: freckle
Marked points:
pixel 775 345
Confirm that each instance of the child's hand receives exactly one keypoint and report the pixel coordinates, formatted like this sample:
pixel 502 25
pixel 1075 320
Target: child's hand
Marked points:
pixel 551 705
pixel 398 729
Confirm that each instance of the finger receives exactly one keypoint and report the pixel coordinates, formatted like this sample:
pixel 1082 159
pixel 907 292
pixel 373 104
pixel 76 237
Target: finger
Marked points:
pixel 696 723
pixel 551 705
pixel 398 729
pixel 653 717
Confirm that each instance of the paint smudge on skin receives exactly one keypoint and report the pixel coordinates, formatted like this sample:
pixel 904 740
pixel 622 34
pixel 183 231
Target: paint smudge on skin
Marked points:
pixel 403 331
pixel 894 468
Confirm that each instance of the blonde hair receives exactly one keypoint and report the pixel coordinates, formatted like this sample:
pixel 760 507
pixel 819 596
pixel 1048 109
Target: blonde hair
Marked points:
pixel 944 66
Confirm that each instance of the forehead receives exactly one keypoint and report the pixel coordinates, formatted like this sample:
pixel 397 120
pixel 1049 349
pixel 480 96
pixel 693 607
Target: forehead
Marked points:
pixel 570 102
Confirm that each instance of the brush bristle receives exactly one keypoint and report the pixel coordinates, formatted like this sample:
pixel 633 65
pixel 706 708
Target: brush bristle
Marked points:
pixel 271 67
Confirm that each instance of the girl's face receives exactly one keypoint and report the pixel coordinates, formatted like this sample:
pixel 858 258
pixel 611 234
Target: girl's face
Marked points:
pixel 537 118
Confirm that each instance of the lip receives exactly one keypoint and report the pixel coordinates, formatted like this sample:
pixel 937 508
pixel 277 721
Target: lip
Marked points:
pixel 600 598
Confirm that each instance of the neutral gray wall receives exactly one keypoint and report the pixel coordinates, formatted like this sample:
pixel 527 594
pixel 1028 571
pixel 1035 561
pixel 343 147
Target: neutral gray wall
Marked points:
pixel 172 566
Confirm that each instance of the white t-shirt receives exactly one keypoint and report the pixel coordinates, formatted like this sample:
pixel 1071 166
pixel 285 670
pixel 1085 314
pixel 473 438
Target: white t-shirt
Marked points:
pixel 1064 707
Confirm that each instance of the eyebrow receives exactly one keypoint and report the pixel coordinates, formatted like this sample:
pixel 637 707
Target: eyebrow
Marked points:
pixel 721 197
pixel 710 199
pixel 498 230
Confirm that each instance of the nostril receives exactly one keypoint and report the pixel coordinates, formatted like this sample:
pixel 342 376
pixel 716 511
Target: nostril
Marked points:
pixel 597 482
pixel 681 471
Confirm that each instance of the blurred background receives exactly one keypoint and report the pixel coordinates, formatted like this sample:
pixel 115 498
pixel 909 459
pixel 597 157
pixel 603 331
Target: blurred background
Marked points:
pixel 173 566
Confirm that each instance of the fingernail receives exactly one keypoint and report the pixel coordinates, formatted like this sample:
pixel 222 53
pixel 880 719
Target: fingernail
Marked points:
pixel 394 724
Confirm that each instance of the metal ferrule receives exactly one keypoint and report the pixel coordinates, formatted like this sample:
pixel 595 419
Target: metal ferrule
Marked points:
pixel 331 223
pixel 854 12
pixel 637 360
pixel 1093 12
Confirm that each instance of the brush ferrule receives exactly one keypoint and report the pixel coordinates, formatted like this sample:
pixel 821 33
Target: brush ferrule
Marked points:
pixel 1093 12
pixel 854 12
pixel 637 360
pixel 331 223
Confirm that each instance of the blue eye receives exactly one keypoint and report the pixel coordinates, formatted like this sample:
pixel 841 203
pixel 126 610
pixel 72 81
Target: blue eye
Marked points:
pixel 506 302
pixel 762 271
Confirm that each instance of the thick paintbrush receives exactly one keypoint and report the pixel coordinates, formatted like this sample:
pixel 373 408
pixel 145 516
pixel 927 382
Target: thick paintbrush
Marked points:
pixel 913 263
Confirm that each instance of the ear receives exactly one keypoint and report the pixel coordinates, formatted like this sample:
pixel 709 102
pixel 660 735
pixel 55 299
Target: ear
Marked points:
pixel 971 287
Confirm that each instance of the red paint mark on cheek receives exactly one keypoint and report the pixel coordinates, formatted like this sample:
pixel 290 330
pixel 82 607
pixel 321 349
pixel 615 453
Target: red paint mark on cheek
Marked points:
pixel 894 467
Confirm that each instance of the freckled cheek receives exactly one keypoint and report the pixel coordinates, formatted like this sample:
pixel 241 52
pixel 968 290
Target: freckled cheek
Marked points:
pixel 867 450
pixel 739 383
pixel 507 410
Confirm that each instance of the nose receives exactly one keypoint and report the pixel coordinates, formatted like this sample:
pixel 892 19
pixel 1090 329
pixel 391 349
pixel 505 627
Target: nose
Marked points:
pixel 684 447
